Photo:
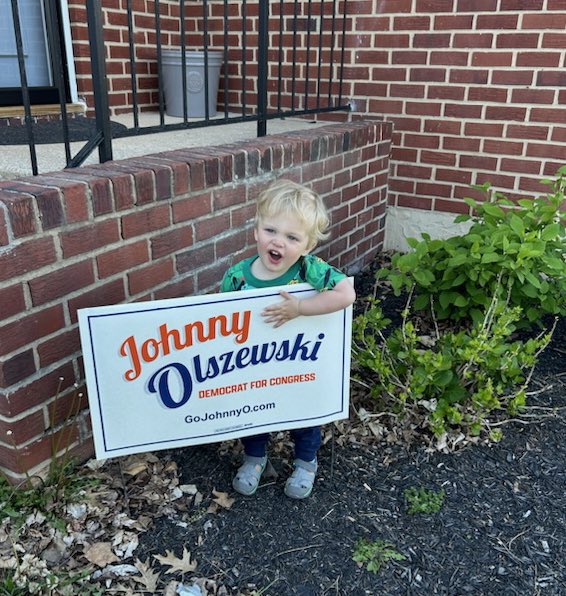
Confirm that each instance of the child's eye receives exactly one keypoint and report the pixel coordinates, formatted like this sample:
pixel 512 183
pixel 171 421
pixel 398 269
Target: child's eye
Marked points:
pixel 269 230
pixel 293 238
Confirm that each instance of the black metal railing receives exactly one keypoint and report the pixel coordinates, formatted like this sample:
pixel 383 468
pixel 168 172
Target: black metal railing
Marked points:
pixel 298 71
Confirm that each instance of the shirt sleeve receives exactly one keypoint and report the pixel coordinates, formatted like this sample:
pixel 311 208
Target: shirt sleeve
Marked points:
pixel 233 279
pixel 320 275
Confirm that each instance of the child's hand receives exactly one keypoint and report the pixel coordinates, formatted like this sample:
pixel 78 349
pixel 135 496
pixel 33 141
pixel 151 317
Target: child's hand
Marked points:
pixel 283 311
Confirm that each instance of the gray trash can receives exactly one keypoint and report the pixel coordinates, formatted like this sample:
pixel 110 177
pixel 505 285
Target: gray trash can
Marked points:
pixel 173 82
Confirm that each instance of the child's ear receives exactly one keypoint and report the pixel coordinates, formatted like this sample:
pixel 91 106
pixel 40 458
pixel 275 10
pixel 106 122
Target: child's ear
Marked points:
pixel 255 233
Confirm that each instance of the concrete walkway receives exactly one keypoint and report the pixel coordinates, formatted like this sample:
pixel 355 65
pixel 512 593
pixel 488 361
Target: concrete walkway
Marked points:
pixel 15 161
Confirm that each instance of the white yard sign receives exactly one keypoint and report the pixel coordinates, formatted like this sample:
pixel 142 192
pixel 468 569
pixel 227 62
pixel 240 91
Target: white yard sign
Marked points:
pixel 197 370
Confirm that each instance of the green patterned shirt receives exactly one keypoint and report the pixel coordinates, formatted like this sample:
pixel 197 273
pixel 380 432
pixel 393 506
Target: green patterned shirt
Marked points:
pixel 310 269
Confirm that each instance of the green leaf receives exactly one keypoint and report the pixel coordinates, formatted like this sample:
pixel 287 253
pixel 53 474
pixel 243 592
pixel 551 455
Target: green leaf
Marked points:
pixel 517 225
pixel 421 302
pixel 550 232
pixel 513 248
pixel 555 263
pixel 421 250
pixel 550 305
pixel 491 257
pixel 460 301
pixel 458 260
pixel 472 289
pixel 462 218
pixel 494 211
pixel 454 394
pixel 532 279
pixel 423 277
pixel 408 261
pixel 396 283
pixel 477 316
pixel 444 378
pixel 529 290
pixel 457 281
pixel 530 250
pixel 485 277
pixel 446 299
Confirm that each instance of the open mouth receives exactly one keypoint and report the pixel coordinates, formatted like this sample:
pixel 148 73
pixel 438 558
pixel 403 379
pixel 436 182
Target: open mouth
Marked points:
pixel 275 256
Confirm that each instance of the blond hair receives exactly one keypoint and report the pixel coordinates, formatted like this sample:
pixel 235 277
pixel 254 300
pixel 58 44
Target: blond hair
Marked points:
pixel 285 196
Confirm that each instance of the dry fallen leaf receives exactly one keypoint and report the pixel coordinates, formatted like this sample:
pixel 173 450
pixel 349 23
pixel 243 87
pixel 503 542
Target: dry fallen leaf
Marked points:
pixel 95 464
pixel 213 508
pixel 56 551
pixel 171 588
pixel 170 466
pixel 223 499
pixel 183 565
pixel 120 570
pixel 125 543
pixel 135 468
pixel 100 553
pixel 189 489
pixel 8 562
pixel 149 578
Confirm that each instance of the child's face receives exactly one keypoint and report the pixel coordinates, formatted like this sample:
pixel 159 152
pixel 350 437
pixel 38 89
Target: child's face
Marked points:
pixel 281 240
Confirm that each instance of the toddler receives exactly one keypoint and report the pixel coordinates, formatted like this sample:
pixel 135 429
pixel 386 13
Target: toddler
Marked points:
pixel 290 220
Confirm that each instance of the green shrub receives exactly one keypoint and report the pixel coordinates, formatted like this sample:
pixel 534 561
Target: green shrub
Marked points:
pixel 449 381
pixel 516 252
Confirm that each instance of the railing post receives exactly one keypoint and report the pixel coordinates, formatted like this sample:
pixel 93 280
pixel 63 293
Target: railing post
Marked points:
pixel 99 81
pixel 262 66
pixel 24 82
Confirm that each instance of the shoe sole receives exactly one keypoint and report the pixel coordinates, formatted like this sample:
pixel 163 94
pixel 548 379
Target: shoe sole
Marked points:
pixel 296 497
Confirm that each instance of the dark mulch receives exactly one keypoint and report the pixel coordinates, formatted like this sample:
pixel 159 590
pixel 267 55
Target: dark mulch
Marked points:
pixel 501 530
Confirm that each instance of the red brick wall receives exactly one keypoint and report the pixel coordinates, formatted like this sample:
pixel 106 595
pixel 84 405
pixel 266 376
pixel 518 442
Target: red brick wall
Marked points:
pixel 476 90
pixel 160 226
